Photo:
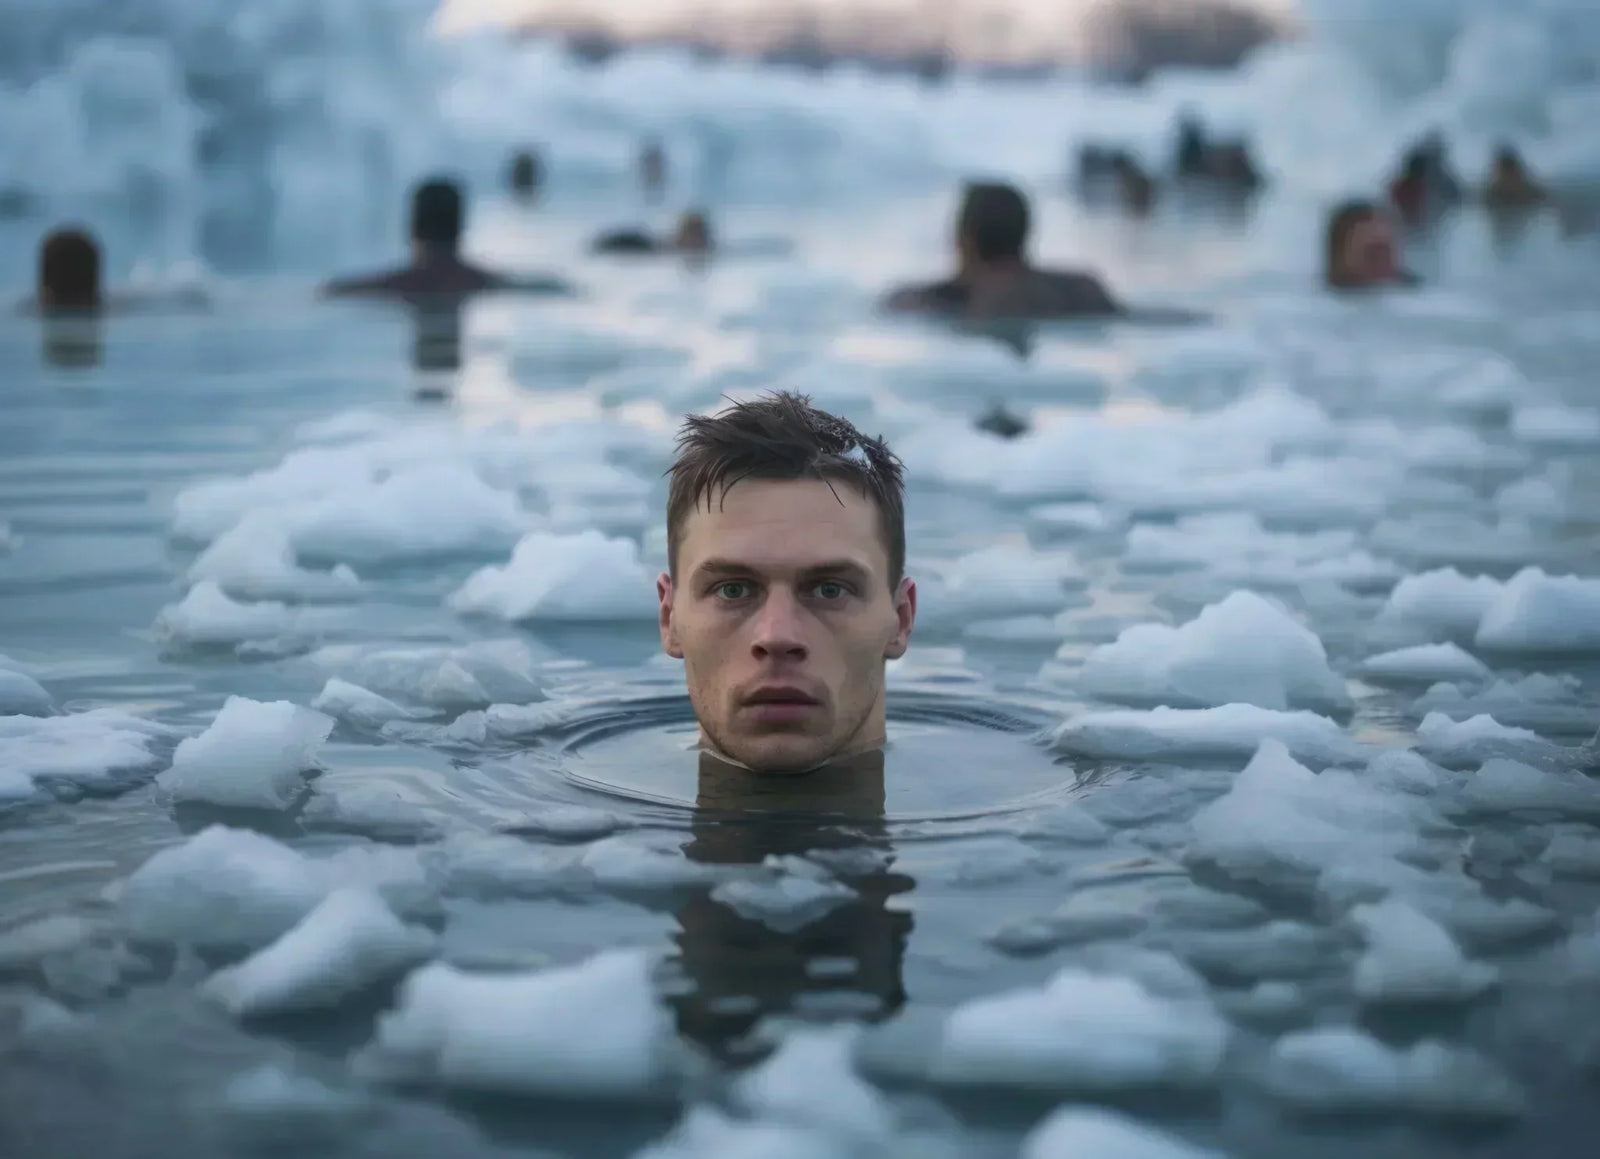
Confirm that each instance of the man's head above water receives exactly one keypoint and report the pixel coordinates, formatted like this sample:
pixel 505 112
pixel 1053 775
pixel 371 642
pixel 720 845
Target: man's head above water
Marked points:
pixel 992 225
pixel 786 592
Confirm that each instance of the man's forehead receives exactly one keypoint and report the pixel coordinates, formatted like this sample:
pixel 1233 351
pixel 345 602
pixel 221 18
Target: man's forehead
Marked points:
pixel 785 522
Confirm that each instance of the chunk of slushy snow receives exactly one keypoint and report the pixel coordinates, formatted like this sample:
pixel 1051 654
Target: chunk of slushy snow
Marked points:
pixel 255 560
pixel 207 617
pixel 1345 1070
pixel 453 679
pixel 253 756
pixel 1552 424
pixel 1543 613
pixel 1080 1031
pixel 811 1081
pixel 1096 1133
pixel 349 942
pixel 786 902
pixel 358 705
pixel 1003 581
pixel 89 749
pixel 583 577
pixel 1410 958
pixel 1443 604
pixel 706 1133
pixel 1231 730
pixel 1459 743
pixel 1243 650
pixel 1505 786
pixel 592 1029
pixel 222 887
pixel 21 694
pixel 1425 664
pixel 1282 822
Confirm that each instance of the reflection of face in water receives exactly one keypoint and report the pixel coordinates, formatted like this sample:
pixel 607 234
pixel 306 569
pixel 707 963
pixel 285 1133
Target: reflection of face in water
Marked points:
pixel 847 960
pixel 73 341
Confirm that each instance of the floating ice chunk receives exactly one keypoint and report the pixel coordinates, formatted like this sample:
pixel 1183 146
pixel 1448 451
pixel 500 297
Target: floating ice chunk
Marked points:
pixel 349 942
pixel 1280 949
pixel 1540 702
pixel 1409 958
pixel 1002 582
pixel 583 577
pixel 1235 548
pixel 1095 1133
pixel 644 863
pixel 1574 855
pixel 1542 613
pixel 378 811
pixel 1442 603
pixel 594 1029
pixel 416 512
pixel 1073 518
pixel 1425 664
pixel 1232 730
pixel 811 1081
pixel 223 887
pixel 359 706
pixel 1081 1031
pixel 21 694
pixel 1546 498
pixel 1453 537
pixel 706 1133
pixel 255 560
pixel 1345 1070
pixel 567 823
pixel 497 866
pixel 1280 822
pixel 253 756
pixel 784 901
pixel 1556 425
pixel 99 749
pixel 345 427
pixel 1506 786
pixel 450 679
pixel 1244 650
pixel 280 1103
pixel 207 617
pixel 1457 744
pixel 26 944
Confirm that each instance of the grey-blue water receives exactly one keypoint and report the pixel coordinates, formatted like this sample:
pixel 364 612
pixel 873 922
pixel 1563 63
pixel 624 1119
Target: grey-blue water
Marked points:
pixel 990 857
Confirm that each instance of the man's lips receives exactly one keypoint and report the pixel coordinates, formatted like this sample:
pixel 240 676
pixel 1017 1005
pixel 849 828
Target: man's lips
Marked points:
pixel 778 704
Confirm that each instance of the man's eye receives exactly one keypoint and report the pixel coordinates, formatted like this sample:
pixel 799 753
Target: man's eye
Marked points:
pixel 831 590
pixel 732 590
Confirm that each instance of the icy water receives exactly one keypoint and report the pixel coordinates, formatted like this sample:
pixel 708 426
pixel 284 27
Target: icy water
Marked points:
pixel 1379 938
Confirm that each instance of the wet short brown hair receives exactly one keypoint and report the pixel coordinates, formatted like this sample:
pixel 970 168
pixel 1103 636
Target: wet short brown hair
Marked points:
pixel 781 436
pixel 69 270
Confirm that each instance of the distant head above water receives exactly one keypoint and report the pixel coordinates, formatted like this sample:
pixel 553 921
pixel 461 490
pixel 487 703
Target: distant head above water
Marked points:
pixel 438 221
pixel 785 593
pixel 994 278
pixel 69 271
pixel 525 175
pixel 1362 249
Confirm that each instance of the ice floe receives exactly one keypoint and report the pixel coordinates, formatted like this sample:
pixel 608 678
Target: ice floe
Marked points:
pixel 1233 547
pixel 253 756
pixel 1538 701
pixel 445 678
pixel 1425 664
pixel 999 582
pixel 810 1081
pixel 360 706
pixel 1243 650
pixel 1080 1031
pixel 1409 958
pixel 1096 1133
pixel 593 1029
pixel 99 749
pixel 582 577
pixel 1508 786
pixel 1442 604
pixel 21 694
pixel 1228 731
pixel 791 895
pixel 349 942
pixel 1458 744
pixel 1541 613
pixel 1344 1070
pixel 256 560
pixel 208 618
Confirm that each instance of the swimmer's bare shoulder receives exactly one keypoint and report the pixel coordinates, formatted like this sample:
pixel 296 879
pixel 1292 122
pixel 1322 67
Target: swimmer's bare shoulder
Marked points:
pixel 947 297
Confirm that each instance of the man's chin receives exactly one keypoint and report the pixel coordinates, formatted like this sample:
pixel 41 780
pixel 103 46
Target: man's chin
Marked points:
pixel 780 754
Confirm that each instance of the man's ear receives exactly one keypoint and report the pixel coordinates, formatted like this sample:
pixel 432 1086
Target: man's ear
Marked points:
pixel 905 615
pixel 669 634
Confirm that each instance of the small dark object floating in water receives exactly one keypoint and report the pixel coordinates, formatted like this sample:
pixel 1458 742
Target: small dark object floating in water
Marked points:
pixel 999 421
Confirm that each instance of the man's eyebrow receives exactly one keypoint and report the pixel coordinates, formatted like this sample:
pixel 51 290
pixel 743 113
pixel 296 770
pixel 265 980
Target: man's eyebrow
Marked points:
pixel 718 566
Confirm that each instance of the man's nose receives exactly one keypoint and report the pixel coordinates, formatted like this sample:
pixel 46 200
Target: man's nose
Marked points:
pixel 780 628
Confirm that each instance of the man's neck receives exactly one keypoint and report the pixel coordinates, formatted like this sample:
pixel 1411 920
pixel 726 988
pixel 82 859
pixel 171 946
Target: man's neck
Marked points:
pixel 993 270
pixel 428 255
